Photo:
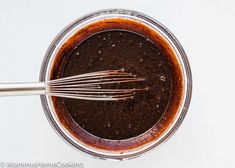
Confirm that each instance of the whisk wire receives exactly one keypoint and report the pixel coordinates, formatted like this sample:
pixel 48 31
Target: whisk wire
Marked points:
pixel 91 86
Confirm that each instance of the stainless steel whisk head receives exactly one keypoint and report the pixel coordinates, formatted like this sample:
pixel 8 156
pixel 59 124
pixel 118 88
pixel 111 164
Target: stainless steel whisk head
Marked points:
pixel 92 86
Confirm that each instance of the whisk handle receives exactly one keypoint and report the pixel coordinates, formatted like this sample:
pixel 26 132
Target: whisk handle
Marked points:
pixel 17 89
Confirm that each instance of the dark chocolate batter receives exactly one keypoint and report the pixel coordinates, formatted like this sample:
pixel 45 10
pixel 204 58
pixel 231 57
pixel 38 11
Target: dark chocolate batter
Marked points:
pixel 118 49
pixel 110 49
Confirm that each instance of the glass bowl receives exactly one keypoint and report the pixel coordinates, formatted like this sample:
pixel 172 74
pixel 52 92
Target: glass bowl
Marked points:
pixel 66 33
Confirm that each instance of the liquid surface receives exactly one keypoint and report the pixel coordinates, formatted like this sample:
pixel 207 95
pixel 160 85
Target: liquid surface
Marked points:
pixel 116 49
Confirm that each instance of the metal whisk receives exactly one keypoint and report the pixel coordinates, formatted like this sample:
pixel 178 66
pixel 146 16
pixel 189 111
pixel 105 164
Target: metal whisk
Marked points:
pixel 89 86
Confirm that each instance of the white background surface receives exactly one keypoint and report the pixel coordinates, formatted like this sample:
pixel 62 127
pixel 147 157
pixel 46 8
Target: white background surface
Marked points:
pixel 206 29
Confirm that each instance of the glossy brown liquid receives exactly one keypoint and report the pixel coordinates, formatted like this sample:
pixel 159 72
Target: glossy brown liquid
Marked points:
pixel 114 47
